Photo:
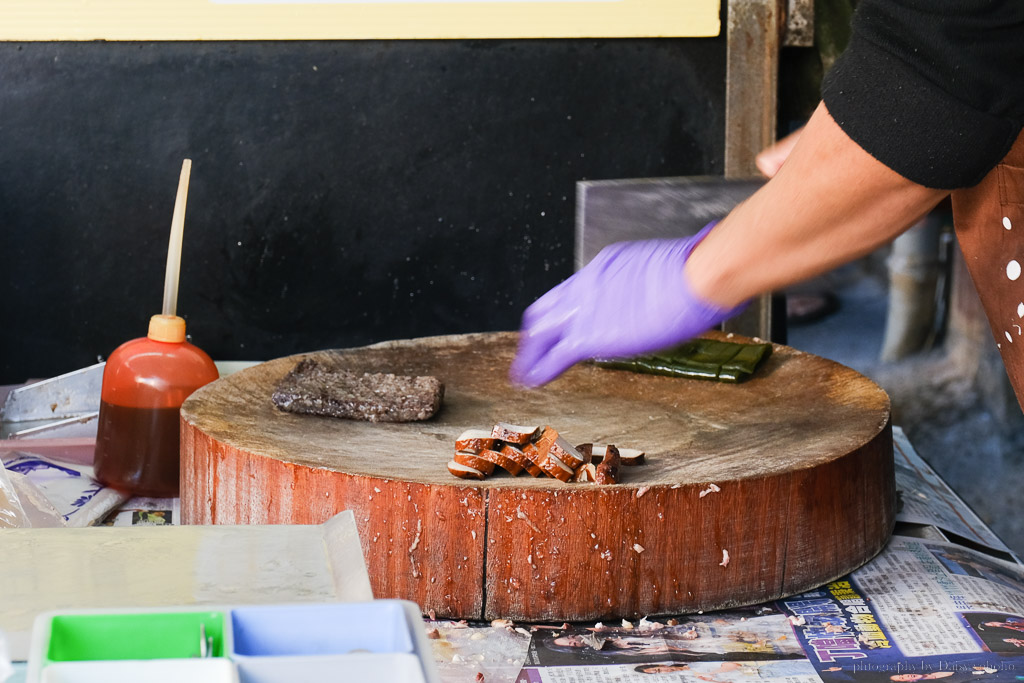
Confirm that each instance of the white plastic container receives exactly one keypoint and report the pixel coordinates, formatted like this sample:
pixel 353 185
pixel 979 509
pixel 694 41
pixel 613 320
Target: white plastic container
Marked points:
pixel 151 671
pixel 365 668
pixel 380 641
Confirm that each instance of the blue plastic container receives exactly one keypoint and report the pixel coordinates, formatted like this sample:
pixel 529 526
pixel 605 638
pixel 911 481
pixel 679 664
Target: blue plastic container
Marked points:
pixel 321 629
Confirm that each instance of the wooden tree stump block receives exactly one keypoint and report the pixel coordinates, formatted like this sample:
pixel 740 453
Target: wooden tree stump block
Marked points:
pixel 801 455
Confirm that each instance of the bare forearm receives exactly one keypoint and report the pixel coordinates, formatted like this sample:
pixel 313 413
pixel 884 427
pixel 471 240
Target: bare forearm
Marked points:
pixel 831 202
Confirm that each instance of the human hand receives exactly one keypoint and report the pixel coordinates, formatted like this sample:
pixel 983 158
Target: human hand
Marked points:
pixel 770 159
pixel 631 299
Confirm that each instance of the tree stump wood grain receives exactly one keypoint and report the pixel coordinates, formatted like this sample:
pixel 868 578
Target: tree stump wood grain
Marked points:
pixel 801 455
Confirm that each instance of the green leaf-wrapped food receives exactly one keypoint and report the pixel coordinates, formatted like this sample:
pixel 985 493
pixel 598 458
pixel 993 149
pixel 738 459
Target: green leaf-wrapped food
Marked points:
pixel 709 359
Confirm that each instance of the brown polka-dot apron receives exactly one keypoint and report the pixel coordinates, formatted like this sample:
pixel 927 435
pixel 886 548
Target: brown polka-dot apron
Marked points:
pixel 989 220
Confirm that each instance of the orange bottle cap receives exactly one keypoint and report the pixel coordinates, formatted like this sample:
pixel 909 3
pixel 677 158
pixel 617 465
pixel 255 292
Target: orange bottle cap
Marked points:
pixel 167 328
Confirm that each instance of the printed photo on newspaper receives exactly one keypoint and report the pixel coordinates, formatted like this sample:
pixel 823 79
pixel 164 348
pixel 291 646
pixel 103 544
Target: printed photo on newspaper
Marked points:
pixel 921 610
pixel 755 643
pixel 140 511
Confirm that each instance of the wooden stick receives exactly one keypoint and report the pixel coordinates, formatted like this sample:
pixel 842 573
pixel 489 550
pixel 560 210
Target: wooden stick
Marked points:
pixel 174 247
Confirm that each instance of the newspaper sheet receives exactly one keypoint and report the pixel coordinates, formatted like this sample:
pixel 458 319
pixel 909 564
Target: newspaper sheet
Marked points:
pixel 926 499
pixel 753 644
pixel 921 610
pixel 146 511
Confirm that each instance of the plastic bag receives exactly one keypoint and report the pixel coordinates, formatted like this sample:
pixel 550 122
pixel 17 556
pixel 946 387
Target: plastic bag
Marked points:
pixel 69 487
pixel 23 505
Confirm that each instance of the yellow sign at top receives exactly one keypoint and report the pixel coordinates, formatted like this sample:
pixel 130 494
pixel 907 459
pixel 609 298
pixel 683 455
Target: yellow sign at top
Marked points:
pixel 31 20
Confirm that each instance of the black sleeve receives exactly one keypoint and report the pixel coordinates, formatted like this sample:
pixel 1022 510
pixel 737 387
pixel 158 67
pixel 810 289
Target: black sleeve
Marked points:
pixel 934 89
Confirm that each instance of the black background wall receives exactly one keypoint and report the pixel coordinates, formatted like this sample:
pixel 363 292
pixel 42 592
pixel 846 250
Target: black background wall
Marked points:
pixel 342 192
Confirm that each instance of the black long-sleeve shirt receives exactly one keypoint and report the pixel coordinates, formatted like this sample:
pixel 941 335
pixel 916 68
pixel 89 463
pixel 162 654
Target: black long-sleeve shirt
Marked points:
pixel 934 89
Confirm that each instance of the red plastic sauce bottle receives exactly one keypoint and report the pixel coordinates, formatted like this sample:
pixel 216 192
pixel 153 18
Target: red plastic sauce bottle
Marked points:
pixel 145 381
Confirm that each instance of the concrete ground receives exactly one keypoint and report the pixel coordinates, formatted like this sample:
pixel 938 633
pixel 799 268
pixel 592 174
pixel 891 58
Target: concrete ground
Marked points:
pixel 975 451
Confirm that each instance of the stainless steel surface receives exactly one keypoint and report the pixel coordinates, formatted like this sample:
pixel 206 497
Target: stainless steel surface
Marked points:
pixel 610 211
pixel 66 406
pixel 69 395
pixel 70 427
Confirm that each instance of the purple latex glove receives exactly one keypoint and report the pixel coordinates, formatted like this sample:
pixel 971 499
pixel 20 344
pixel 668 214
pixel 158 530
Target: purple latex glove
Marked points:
pixel 631 299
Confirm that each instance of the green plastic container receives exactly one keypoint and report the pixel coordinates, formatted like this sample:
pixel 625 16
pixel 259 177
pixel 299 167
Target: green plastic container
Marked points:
pixel 166 635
